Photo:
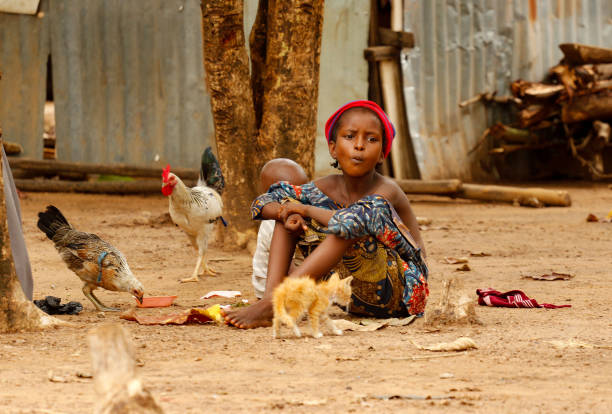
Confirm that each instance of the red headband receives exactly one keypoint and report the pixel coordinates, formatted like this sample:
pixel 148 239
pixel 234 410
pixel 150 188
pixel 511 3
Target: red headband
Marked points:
pixel 388 128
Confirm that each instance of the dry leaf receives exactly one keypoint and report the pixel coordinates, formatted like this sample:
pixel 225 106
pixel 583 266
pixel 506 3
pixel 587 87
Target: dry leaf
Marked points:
pixel 455 260
pixel 345 325
pixel 55 378
pixel 479 254
pixel 551 276
pixel 423 221
pixel 572 343
pixel 369 325
pixel 464 268
pixel 592 218
pixel 460 344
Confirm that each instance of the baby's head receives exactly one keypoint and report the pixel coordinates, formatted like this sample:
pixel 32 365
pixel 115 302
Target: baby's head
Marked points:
pixel 281 169
pixel 368 107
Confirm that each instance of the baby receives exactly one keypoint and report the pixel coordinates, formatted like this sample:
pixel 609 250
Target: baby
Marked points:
pixel 278 169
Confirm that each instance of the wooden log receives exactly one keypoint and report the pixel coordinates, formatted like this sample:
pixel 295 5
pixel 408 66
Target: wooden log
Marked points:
pixel 442 187
pixel 506 149
pixel 513 135
pixel 114 372
pixel 591 73
pixel 578 54
pixel 398 39
pixel 524 196
pixel 534 114
pixel 490 97
pixel 12 148
pixel 535 90
pixel 45 166
pixel 378 53
pixel 566 77
pixel 95 187
pixel 585 107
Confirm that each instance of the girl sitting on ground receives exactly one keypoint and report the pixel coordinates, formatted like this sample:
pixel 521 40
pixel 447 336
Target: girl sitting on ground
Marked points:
pixel 351 223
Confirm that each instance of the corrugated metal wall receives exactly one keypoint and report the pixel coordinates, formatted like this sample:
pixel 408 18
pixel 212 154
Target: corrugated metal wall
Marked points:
pixel 128 80
pixel 464 48
pixel 343 71
pixel 24 47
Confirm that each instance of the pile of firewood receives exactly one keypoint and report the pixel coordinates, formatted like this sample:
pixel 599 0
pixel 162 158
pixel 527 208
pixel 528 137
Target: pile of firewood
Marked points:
pixel 569 112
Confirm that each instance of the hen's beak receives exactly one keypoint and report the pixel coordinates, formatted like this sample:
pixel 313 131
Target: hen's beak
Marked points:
pixel 139 297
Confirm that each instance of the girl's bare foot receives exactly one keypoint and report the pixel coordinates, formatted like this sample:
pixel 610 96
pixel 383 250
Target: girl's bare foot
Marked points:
pixel 255 316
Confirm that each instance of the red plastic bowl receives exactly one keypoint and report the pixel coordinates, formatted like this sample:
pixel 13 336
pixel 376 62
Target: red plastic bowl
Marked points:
pixel 156 301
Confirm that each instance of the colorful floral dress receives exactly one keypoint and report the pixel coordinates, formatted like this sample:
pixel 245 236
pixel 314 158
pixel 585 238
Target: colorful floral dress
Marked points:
pixel 389 274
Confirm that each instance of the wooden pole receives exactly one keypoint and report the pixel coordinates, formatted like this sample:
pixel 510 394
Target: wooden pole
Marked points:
pixel 47 166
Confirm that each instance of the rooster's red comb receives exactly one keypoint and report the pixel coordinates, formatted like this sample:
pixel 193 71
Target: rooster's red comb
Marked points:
pixel 165 172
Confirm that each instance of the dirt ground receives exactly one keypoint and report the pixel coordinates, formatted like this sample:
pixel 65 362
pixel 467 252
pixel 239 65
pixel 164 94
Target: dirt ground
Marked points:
pixel 218 369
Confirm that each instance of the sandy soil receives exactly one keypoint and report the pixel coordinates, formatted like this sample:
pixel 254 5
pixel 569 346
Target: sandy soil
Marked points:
pixel 217 369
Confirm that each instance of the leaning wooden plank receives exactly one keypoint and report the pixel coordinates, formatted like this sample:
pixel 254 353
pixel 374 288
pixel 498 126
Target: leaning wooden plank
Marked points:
pixel 524 196
pixel 46 166
pixel 447 187
pixel 98 187
pixel 577 54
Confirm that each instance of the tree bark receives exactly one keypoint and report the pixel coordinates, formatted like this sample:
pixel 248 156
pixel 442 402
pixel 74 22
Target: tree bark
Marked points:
pixel 271 113
pixel 16 312
pixel 291 80
pixel 228 79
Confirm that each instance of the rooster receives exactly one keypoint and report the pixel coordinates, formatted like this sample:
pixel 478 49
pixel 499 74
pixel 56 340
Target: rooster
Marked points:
pixel 195 210
pixel 96 262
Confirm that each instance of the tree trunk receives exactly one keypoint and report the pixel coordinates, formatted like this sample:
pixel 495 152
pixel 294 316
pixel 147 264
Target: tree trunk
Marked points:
pixel 271 113
pixel 16 312
pixel 227 75
pixel 291 80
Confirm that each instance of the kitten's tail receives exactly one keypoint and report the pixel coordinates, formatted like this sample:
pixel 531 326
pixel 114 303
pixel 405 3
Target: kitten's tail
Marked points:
pixel 280 313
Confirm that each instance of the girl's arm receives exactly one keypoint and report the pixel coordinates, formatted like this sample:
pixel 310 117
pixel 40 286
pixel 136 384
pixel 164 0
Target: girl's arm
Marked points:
pixel 402 206
pixel 319 214
pixel 271 211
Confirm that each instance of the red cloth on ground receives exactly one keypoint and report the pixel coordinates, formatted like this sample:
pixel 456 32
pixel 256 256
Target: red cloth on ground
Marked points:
pixel 511 299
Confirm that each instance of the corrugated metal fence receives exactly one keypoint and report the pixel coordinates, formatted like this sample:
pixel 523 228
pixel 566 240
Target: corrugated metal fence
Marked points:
pixel 128 80
pixel 466 47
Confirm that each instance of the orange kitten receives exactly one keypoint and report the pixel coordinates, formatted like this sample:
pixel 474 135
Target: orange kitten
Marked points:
pixel 296 296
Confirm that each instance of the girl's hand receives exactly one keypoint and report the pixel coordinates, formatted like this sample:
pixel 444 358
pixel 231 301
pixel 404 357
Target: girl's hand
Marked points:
pixel 295 223
pixel 289 209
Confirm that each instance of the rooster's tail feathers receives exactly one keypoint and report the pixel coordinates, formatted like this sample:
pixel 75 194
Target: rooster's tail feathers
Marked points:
pixel 210 171
pixel 51 220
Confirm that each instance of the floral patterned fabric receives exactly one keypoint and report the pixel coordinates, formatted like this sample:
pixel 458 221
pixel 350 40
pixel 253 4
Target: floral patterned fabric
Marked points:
pixel 390 277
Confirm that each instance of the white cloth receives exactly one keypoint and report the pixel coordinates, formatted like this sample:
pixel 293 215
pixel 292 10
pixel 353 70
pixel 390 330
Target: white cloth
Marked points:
pixel 261 256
